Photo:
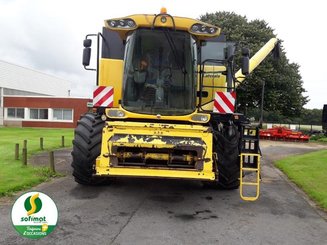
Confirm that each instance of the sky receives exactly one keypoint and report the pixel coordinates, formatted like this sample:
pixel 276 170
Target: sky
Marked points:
pixel 47 35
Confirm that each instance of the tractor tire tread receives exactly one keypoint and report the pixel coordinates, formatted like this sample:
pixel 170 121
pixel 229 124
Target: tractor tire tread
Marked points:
pixel 86 148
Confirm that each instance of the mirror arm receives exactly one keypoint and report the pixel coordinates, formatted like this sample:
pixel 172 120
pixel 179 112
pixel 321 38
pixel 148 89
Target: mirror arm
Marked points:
pixel 98 35
pixel 89 69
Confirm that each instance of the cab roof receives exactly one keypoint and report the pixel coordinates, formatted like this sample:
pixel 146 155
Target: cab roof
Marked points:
pixel 195 27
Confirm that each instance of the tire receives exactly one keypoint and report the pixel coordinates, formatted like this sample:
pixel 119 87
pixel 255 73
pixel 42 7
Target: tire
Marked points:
pixel 227 149
pixel 229 165
pixel 86 148
pixel 226 146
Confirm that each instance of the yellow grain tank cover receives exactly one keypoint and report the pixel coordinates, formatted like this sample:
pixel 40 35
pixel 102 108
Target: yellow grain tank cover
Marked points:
pixel 156 150
pixel 200 29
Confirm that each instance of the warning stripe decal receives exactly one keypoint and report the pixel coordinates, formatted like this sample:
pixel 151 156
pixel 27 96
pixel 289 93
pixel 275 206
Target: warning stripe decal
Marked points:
pixel 224 102
pixel 103 96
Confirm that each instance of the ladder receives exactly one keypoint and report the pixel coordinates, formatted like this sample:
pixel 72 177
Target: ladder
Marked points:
pixel 250 163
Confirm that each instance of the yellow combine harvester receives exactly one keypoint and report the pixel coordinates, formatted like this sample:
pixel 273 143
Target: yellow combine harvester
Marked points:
pixel 164 104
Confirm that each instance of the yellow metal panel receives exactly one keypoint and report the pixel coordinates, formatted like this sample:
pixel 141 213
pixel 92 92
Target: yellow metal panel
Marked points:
pixel 188 117
pixel 154 131
pixel 111 74
pixel 208 106
pixel 161 173
pixel 212 77
pixel 146 127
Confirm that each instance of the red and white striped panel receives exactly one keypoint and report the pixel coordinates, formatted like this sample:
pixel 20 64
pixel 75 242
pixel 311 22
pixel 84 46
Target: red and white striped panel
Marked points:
pixel 103 96
pixel 224 102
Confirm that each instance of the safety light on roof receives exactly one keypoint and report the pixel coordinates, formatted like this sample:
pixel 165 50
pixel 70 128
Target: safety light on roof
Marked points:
pixel 123 23
pixel 203 29
pixel 163 10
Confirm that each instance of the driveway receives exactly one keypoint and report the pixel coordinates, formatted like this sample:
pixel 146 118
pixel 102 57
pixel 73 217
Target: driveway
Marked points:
pixel 154 211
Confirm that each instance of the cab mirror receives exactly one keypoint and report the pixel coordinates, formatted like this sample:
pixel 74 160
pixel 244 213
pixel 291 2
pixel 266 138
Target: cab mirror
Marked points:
pixel 87 43
pixel 86 56
pixel 245 61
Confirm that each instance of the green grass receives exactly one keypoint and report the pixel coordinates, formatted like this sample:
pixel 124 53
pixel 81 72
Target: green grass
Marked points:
pixel 13 175
pixel 309 172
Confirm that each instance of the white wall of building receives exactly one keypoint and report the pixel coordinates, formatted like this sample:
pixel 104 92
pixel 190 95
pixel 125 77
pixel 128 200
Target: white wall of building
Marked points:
pixel 24 79
pixel 17 80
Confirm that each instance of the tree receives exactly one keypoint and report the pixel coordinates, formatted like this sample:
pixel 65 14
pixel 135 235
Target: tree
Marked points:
pixel 283 82
pixel 312 116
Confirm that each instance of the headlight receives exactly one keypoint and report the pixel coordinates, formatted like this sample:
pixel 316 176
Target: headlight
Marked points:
pixel 203 29
pixel 112 23
pixel 213 30
pixel 115 113
pixel 203 118
pixel 131 23
pixel 195 28
pixel 122 23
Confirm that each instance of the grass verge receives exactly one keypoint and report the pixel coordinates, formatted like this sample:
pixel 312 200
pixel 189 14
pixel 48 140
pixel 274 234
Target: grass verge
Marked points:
pixel 318 138
pixel 13 175
pixel 309 172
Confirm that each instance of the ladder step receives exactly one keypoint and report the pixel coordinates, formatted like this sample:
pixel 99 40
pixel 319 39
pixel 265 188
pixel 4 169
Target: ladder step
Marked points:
pixel 250 169
pixel 250 154
pixel 250 183
pixel 254 198
pixel 252 138
pixel 246 152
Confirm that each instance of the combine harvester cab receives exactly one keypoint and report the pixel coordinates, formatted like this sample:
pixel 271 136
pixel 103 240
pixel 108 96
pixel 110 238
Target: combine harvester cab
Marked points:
pixel 165 105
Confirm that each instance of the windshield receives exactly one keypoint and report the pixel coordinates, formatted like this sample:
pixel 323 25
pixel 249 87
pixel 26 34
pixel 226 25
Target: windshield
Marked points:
pixel 159 73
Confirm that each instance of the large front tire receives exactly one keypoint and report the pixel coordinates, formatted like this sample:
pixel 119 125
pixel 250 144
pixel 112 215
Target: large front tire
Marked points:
pixel 226 146
pixel 86 148
pixel 227 149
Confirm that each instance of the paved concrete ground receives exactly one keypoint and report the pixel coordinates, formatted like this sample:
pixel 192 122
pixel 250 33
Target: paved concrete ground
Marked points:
pixel 147 211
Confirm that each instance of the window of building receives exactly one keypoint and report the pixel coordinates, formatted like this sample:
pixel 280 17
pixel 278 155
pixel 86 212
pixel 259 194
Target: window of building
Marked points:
pixel 39 114
pixel 15 113
pixel 63 114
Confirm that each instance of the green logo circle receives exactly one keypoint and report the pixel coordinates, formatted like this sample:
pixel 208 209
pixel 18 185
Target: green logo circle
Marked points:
pixel 34 215
pixel 33 205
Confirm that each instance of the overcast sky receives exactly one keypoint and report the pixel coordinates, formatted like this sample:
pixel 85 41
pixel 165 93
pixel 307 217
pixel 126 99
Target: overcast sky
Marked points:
pixel 47 35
